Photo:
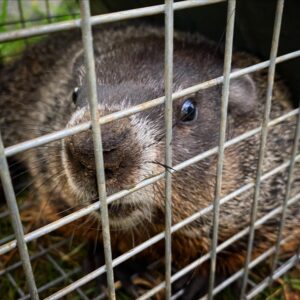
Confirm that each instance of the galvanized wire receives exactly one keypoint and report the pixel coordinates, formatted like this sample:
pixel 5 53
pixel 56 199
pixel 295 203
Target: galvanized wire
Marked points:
pixel 62 272
pixel 21 14
pixel 32 257
pixel 169 25
pixel 92 207
pixel 48 12
pixel 252 264
pixel 100 19
pixel 16 222
pixel 15 285
pixel 22 19
pixel 221 247
pixel 54 282
pixel 287 195
pixel 224 107
pixel 168 104
pixel 263 140
pixel 93 104
pixel 47 138
pixel 292 262
pixel 175 228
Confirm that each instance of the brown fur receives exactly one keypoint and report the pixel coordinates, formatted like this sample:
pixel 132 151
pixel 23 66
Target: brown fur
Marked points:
pixel 36 97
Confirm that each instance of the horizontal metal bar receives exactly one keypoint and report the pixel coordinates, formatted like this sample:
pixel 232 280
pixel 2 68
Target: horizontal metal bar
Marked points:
pixel 38 19
pixel 22 207
pixel 221 247
pixel 15 285
pixel 33 257
pixel 62 272
pixel 89 61
pixel 293 261
pixel 162 101
pixel 92 207
pixel 287 195
pixel 47 138
pixel 16 222
pixel 154 240
pixel 263 138
pixel 240 273
pixel 222 139
pixel 7 239
pixel 100 19
pixel 178 295
pixel 100 297
pixel 6 213
pixel 54 282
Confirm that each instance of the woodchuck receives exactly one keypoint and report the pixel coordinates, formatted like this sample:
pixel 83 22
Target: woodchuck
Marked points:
pixel 46 90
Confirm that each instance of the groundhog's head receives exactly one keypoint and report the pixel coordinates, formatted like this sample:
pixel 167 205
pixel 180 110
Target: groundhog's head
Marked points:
pixel 134 146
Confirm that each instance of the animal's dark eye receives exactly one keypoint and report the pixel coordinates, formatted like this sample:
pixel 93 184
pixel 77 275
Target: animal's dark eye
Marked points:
pixel 188 111
pixel 75 94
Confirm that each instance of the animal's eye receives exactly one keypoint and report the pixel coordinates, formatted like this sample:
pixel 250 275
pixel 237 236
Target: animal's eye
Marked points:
pixel 75 94
pixel 188 111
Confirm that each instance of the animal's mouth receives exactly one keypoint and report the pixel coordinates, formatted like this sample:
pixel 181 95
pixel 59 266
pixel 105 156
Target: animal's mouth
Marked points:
pixel 130 210
pixel 122 209
pixel 81 174
pixel 123 216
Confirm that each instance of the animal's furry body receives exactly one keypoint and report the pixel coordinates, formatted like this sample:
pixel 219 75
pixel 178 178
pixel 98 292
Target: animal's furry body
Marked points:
pixel 36 94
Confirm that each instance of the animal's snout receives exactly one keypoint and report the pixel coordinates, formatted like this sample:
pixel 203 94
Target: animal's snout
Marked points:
pixel 80 149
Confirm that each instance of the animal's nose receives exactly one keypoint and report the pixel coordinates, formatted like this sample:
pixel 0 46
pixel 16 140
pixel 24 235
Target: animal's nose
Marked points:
pixel 80 149
pixel 114 135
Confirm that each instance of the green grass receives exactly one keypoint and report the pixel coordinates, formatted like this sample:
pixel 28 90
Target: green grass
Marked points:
pixel 34 16
pixel 287 288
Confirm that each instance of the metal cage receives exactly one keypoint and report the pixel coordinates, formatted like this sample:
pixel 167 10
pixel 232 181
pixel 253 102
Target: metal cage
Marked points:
pixel 19 239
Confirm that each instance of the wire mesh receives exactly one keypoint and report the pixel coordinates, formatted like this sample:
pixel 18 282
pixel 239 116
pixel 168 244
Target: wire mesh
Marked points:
pixel 223 125
pixel 92 96
pixel 66 281
pixel 168 148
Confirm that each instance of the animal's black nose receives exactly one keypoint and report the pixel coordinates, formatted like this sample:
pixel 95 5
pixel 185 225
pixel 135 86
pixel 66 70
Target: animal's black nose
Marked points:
pixel 80 149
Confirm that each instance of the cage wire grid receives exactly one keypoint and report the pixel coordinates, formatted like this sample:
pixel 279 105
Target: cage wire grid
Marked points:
pixel 20 242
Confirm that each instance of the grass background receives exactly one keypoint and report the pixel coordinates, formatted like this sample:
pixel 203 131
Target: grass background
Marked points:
pixel 34 13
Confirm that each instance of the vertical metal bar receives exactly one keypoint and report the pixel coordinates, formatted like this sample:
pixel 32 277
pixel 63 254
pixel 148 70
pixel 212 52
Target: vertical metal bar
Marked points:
pixel 16 221
pixel 263 140
pixel 284 268
pixel 287 196
pixel 48 12
pixel 54 282
pixel 92 96
pixel 169 28
pixel 15 285
pixel 21 13
pixel 63 273
pixel 22 19
pixel 225 96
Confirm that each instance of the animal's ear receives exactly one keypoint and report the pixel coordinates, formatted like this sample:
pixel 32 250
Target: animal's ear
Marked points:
pixel 242 95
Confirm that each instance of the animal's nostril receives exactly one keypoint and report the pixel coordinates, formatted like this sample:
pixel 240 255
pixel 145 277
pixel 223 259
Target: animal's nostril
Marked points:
pixel 80 152
pixel 112 159
pixel 111 164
